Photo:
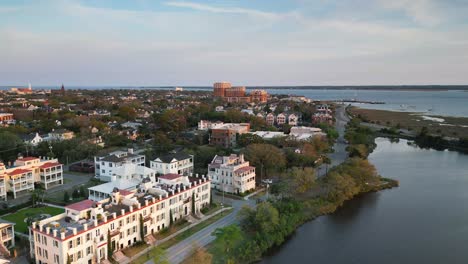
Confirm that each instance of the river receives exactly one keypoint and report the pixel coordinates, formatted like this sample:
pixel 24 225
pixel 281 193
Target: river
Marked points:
pixel 425 220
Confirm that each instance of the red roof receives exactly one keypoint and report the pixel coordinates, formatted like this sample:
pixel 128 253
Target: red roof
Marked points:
pixel 19 171
pixel 80 206
pixel 27 159
pixel 244 169
pixel 49 164
pixel 124 192
pixel 170 176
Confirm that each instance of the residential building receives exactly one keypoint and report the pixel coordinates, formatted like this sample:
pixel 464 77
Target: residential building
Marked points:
pixel 206 125
pixel 231 174
pixel 259 96
pixel 269 134
pixel 281 119
pixel 175 163
pixel 7 119
pixel 104 191
pixel 60 134
pixel 270 119
pixel 292 120
pixel 219 88
pixel 88 229
pixel 305 133
pixel 226 135
pixel 105 165
pixel 21 177
pixel 7 239
pixel 32 139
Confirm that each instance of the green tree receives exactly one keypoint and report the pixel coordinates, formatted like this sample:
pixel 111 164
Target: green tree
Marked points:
pixel 66 197
pixel 199 256
pixel 142 231
pixel 265 157
pixel 301 180
pixel 10 146
pixel 228 239
pixel 110 249
pixel 193 203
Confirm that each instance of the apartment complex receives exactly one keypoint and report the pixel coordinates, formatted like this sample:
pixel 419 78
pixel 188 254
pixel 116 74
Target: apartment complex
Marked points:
pixel 226 135
pixel 88 229
pixel 323 114
pixel 105 166
pixel 20 177
pixel 231 174
pixel 7 119
pixel 238 94
pixel 174 163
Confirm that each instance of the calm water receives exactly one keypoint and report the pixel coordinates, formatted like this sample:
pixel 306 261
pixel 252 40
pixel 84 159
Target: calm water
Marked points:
pixel 425 220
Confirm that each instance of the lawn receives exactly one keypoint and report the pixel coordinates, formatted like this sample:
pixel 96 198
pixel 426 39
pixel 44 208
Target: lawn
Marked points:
pixel 19 217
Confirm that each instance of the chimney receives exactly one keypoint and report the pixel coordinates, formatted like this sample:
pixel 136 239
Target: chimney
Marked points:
pixel 114 215
pixel 54 232
pixel 130 151
pixel 74 230
pixel 122 212
pixel 131 208
pixel 62 235
pixel 95 222
pixel 146 202
pixel 160 197
pixel 47 230
pixel 85 226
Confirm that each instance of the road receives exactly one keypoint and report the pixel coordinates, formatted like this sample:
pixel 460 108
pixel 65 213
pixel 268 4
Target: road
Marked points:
pixel 177 253
pixel 340 154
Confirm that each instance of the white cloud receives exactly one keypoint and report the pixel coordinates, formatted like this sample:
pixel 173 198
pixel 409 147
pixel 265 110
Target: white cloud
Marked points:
pixel 228 10
pixel 424 12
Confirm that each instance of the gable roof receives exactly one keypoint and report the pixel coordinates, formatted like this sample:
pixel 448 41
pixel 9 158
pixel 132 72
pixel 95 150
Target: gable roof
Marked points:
pixel 177 156
pixel 80 206
pixel 170 176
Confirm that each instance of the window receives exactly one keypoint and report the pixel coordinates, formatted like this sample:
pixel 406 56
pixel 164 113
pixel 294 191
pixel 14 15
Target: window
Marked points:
pixel 128 220
pixel 88 250
pixel 88 237
pixel 134 229
pixel 56 258
pixel 78 241
pixel 133 218
pixel 79 254
pixel 70 244
pixel 98 232
pixel 55 243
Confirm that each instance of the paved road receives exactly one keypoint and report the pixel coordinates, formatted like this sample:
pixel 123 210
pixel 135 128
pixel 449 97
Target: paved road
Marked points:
pixel 340 154
pixel 177 253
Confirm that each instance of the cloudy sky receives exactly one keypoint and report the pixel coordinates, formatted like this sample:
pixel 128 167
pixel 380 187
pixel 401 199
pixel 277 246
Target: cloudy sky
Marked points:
pixel 247 42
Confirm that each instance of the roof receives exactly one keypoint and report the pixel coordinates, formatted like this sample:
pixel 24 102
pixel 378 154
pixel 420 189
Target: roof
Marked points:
pixel 119 184
pixel 27 159
pixel 170 176
pixel 244 169
pixel 19 171
pixel 177 156
pixel 115 158
pixel 80 206
pixel 49 164
pixel 124 192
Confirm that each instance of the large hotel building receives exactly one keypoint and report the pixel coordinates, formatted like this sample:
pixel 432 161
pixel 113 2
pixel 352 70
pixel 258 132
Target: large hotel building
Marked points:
pixel 88 230
pixel 237 94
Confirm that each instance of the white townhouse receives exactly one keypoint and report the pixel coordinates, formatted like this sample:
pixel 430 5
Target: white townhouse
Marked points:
pixel 105 166
pixel 7 240
pixel 176 163
pixel 231 174
pixel 88 229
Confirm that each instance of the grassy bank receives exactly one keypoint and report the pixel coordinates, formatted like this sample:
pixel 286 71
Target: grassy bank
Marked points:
pixel 450 127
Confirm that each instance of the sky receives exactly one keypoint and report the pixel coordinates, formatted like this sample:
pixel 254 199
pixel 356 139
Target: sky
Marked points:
pixel 246 42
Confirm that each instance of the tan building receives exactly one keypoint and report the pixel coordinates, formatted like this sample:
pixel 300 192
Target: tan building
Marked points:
pixel 259 96
pixel 231 174
pixel 226 135
pixel 238 94
pixel 20 177
pixel 88 229
pixel 7 239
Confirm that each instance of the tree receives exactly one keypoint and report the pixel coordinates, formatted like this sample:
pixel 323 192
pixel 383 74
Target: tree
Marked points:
pixel 193 203
pixel 83 191
pixel 301 180
pixel 110 249
pixel 266 157
pixel 10 146
pixel 228 239
pixel 68 259
pixel 127 112
pixel 199 256
pixel 66 197
pixel 171 219
pixel 75 194
pixel 142 231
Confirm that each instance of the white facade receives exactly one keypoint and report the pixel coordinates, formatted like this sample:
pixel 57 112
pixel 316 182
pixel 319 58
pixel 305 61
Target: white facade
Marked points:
pixel 305 133
pixel 177 163
pixel 292 120
pixel 205 125
pixel 82 234
pixel 105 166
pixel 281 119
pixel 231 174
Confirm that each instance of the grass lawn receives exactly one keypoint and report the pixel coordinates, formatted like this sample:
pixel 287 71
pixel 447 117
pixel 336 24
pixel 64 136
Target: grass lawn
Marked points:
pixel 19 217
pixel 185 235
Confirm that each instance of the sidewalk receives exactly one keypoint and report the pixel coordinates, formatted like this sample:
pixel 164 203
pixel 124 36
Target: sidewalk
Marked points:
pixel 159 242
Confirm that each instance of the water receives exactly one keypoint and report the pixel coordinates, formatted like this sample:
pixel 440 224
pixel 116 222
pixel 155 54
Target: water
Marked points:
pixel 445 103
pixel 425 220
